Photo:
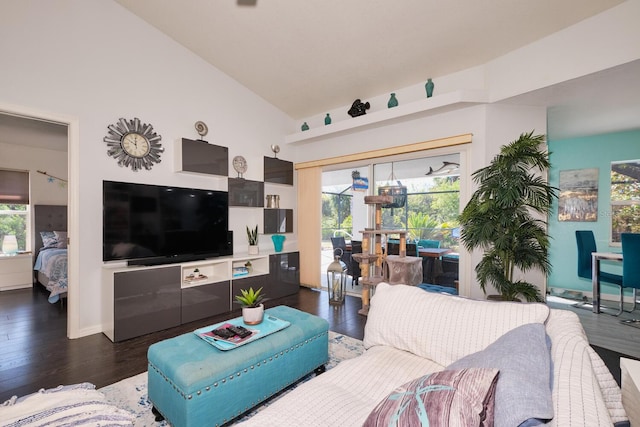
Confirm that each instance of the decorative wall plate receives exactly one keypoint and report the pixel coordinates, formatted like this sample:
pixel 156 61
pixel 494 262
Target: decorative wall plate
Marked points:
pixel 240 165
pixel 133 144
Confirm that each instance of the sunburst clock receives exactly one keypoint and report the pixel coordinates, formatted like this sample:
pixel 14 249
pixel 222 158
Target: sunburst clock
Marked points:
pixel 133 144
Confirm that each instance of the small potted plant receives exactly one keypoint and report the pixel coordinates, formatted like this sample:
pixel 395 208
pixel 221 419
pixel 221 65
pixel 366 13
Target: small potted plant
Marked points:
pixel 252 307
pixel 252 237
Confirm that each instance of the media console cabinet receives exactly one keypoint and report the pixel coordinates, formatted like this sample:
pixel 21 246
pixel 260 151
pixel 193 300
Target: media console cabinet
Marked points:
pixel 138 300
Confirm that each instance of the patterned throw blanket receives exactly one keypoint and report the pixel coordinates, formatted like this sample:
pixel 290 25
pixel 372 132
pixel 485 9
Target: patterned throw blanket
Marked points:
pixel 75 405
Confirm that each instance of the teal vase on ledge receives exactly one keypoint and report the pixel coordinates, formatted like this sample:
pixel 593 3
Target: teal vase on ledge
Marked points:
pixel 305 126
pixel 429 88
pixel 327 119
pixel 393 101
pixel 278 242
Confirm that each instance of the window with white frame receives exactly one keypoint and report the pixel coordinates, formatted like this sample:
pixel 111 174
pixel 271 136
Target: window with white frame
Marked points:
pixel 14 209
pixel 625 198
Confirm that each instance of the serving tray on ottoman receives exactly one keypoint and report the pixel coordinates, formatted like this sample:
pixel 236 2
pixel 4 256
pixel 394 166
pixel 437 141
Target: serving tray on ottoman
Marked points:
pixel 192 383
pixel 268 326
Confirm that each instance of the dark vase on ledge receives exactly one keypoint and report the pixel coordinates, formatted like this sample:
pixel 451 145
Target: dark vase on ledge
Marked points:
pixel 393 101
pixel 429 88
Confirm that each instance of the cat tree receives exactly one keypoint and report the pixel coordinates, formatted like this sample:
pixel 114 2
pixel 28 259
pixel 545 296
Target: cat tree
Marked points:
pixel 377 266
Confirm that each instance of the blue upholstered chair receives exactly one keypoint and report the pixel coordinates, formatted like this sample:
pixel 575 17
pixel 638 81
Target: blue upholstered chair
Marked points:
pixel 424 243
pixel 393 248
pixel 412 249
pixel 631 263
pixel 345 255
pixel 586 246
pixel 339 242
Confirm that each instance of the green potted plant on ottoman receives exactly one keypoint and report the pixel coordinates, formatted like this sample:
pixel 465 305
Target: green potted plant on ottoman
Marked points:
pixel 252 307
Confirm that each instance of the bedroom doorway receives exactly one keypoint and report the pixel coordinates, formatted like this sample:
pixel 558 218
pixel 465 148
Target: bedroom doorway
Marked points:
pixel 27 133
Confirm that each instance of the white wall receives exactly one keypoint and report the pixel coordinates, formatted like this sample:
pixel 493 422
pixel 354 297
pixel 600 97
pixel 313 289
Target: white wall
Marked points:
pixel 96 62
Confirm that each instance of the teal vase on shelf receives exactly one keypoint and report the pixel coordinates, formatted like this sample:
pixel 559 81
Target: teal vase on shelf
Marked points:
pixel 305 126
pixel 278 241
pixel 327 119
pixel 429 88
pixel 393 101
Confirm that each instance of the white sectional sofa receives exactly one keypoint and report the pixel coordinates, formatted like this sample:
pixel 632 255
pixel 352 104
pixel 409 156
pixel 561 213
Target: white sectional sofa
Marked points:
pixel 459 361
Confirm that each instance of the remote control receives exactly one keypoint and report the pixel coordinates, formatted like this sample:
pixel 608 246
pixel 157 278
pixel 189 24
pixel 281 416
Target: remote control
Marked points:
pixel 240 331
pixel 223 333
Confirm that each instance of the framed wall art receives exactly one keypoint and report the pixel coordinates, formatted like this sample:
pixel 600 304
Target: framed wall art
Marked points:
pixel 578 200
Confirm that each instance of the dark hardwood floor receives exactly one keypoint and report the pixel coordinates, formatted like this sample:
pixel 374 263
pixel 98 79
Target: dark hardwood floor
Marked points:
pixel 35 353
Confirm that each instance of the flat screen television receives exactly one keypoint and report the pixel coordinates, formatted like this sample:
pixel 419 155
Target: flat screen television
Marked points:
pixel 152 224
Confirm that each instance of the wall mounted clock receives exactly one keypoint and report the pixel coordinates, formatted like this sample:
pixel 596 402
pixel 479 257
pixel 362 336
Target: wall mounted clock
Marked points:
pixel 240 165
pixel 133 144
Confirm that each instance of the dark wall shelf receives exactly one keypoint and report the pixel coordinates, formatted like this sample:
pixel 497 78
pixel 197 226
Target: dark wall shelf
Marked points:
pixel 201 157
pixel 244 192
pixel 278 171
pixel 278 221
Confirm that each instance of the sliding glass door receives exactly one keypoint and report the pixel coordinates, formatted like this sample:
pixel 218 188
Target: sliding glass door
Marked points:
pixel 427 193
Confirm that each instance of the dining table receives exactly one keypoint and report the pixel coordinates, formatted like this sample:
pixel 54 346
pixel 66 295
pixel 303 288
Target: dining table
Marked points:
pixel 596 258
pixel 432 264
pixel 433 252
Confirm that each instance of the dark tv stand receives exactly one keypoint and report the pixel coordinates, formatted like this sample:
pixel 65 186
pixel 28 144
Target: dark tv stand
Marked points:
pixel 138 300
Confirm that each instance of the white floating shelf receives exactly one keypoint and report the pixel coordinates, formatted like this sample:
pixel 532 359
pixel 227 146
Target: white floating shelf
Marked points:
pixel 428 106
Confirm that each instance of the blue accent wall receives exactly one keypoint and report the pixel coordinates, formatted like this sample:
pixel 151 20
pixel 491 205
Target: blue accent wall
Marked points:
pixel 582 153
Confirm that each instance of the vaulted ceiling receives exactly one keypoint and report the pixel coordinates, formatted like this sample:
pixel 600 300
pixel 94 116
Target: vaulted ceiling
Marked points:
pixel 308 57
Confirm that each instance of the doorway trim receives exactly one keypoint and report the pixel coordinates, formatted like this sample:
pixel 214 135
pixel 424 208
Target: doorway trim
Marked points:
pixel 73 197
pixel 389 151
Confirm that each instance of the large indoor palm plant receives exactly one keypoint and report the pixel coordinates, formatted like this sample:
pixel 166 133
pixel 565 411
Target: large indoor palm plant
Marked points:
pixel 506 217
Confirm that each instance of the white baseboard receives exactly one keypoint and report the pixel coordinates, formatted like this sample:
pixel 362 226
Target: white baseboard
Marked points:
pixel 14 287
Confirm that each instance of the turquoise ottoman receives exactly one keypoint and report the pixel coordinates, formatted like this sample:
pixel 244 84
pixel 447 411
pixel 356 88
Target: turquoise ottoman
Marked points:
pixel 192 383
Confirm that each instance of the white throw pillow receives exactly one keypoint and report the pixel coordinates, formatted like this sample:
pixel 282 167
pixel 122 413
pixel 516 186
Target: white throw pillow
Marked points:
pixel 439 327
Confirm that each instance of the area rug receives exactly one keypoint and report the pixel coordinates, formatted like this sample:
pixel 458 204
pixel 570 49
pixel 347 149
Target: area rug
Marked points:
pixel 131 393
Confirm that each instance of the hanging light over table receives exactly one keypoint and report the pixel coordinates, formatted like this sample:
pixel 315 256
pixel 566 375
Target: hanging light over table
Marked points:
pixel 398 192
